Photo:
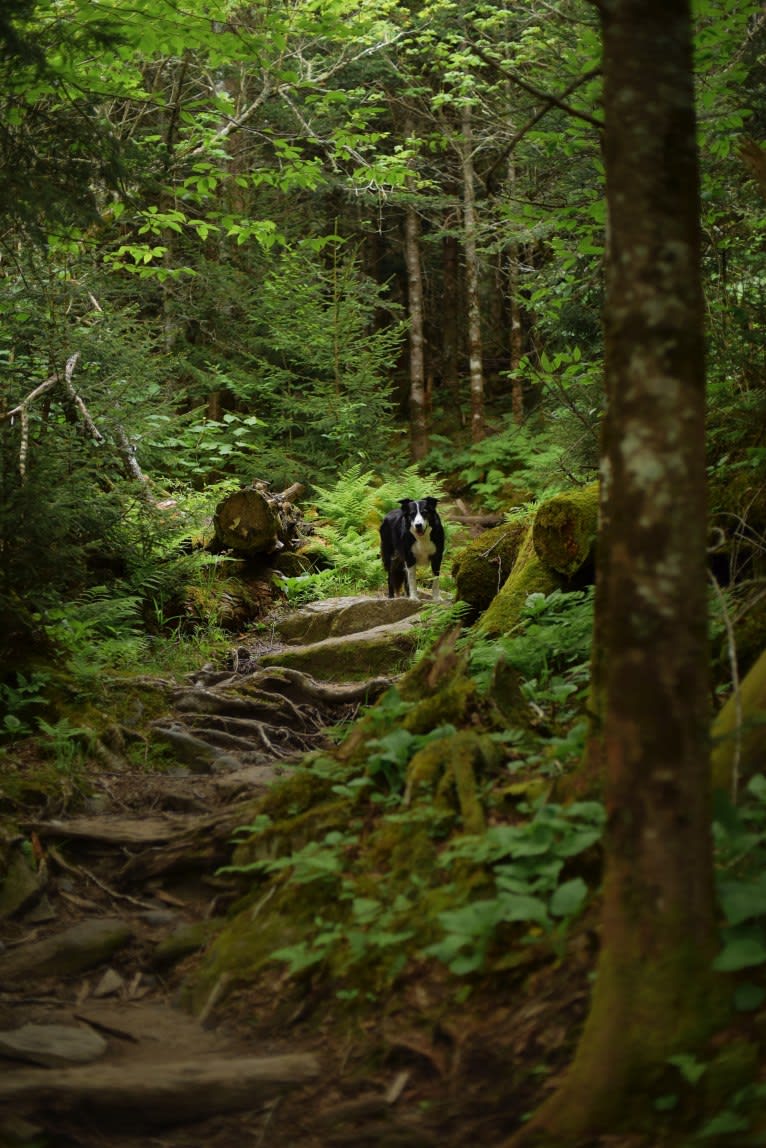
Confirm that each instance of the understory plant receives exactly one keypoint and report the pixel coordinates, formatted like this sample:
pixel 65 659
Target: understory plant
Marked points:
pixel 347 520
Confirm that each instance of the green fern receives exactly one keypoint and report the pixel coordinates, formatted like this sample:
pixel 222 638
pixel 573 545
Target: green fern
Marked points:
pixel 350 513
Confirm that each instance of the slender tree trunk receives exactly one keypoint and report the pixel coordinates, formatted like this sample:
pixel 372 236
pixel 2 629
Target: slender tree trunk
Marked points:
pixel 450 317
pixel 418 412
pixel 470 229
pixel 516 335
pixel 654 994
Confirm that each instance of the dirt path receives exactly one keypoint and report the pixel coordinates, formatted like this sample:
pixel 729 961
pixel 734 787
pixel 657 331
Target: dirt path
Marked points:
pixel 96 1048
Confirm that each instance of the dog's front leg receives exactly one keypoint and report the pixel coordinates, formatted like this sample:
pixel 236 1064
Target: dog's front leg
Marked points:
pixel 412 588
pixel 435 596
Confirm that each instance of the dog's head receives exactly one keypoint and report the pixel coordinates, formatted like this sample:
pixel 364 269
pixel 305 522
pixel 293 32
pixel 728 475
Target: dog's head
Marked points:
pixel 419 513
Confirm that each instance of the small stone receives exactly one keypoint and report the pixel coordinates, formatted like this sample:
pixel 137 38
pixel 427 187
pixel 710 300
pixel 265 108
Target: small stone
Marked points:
pixel 52 1044
pixel 110 984
pixel 159 916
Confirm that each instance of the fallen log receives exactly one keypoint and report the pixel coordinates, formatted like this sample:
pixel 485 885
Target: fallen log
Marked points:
pixel 156 1094
pixel 564 530
pixel 254 521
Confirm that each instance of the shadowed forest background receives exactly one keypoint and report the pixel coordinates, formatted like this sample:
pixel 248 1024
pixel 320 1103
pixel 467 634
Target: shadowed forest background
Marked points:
pixel 334 254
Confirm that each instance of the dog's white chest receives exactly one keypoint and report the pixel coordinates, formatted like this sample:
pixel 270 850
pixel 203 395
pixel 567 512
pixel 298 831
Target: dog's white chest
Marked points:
pixel 423 548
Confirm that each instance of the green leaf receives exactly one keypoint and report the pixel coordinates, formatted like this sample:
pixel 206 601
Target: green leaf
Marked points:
pixel 722 1124
pixel 748 997
pixel 743 900
pixel 568 898
pixel 740 952
pixel 690 1068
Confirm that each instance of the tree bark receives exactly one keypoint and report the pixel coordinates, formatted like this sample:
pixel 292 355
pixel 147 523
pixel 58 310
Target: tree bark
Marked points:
pixel 470 229
pixel 450 316
pixel 252 521
pixel 418 413
pixel 654 994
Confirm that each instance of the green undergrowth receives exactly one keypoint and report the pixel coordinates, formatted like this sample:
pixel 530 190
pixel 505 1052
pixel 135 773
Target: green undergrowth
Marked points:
pixel 430 844
pixel 429 836
pixel 346 520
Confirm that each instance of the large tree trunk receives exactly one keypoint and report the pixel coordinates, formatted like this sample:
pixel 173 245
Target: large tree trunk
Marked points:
pixel 654 993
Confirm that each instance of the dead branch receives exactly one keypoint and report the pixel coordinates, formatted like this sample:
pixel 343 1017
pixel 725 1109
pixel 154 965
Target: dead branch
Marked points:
pixel 21 410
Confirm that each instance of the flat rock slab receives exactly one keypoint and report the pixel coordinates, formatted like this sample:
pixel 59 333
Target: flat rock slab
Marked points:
pixel 337 617
pixel 52 1044
pixel 381 650
pixel 82 947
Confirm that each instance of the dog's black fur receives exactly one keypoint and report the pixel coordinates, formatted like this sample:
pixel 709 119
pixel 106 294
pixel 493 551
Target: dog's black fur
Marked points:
pixel 411 535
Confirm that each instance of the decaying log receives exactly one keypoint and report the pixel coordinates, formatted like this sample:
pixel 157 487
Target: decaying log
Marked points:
pixel 255 521
pixel 145 1095
pixel 564 530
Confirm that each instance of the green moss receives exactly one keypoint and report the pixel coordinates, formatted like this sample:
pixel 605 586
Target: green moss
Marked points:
pixel 485 564
pixel 401 848
pixel 451 764
pixel 452 704
pixel 245 944
pixel 529 576
pixel 564 530
pixel 289 834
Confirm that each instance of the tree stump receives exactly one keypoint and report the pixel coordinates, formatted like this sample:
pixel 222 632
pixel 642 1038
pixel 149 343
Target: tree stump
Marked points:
pixel 253 521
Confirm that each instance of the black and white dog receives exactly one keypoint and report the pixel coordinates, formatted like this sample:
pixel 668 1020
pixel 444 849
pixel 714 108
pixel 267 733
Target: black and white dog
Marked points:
pixel 410 536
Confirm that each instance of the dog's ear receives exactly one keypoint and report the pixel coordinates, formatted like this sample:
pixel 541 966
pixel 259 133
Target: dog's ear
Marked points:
pixel 405 504
pixel 431 503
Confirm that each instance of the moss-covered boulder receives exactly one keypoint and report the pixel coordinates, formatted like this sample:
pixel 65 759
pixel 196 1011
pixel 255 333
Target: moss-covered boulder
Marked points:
pixel 481 569
pixel 338 617
pixel 530 575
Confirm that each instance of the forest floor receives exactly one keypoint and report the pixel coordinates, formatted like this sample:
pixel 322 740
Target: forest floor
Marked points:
pixel 275 1063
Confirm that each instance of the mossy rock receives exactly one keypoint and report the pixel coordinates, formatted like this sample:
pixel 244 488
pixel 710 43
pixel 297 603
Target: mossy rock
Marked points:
pixel 340 617
pixel 187 938
pixel 530 575
pixel 482 568
pixel 292 833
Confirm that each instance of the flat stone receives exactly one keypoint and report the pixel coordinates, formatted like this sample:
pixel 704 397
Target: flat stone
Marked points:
pixel 110 984
pixel 338 617
pixel 52 1044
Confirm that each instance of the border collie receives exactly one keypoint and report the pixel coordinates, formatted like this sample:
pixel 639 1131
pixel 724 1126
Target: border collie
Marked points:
pixel 412 535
